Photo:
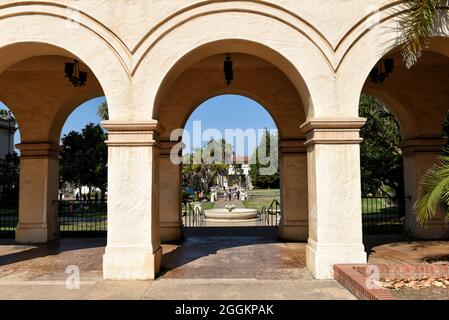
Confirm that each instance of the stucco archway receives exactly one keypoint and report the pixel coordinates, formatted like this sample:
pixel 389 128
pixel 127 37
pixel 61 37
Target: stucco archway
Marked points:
pixel 183 90
pixel 41 98
pixel 419 99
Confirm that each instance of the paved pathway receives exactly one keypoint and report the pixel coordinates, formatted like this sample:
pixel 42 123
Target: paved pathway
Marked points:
pixel 205 268
pixel 237 265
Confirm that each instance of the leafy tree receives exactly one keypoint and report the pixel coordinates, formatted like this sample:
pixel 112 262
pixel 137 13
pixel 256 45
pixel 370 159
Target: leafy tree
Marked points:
pixel 381 154
pixel 84 158
pixel 270 154
pixel 103 111
pixel 420 21
pixel 96 157
pixel 9 176
pixel 71 158
pixel 201 167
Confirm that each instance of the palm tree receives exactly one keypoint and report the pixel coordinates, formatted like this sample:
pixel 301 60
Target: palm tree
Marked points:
pixel 434 191
pixel 103 111
pixel 418 25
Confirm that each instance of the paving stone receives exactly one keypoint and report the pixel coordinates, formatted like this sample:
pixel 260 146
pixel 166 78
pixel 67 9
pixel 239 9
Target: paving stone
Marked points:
pixel 118 290
pixel 234 267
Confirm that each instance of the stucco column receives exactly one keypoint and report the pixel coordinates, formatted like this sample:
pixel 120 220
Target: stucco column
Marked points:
pixel 133 250
pixel 294 224
pixel 38 209
pixel 335 215
pixel 420 155
pixel 169 195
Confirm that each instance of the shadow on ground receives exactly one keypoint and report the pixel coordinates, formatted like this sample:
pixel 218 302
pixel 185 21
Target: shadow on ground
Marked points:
pixel 249 253
pixel 12 253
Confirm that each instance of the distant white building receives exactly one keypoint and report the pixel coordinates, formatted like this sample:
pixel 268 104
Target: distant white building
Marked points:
pixel 7 131
pixel 237 177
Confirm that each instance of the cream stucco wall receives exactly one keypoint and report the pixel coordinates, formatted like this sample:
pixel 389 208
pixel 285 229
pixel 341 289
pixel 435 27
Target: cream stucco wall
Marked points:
pixel 305 61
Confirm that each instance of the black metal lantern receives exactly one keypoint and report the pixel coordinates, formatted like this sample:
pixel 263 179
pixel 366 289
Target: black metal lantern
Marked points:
pixel 72 72
pixel 228 70
pixel 382 70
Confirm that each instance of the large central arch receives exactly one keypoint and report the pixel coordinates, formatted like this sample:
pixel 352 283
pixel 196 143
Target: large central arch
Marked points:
pixel 197 77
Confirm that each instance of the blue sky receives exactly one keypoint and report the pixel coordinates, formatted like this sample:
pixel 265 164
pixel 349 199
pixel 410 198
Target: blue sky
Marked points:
pixel 85 113
pixel 222 112
pixel 230 112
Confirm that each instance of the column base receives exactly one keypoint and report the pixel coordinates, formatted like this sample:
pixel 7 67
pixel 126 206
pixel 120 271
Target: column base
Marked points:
pixel 36 233
pixel 296 231
pixel 170 234
pixel 131 263
pixel 320 258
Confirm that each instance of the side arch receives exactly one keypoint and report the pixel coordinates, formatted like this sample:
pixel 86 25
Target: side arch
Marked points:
pixel 373 45
pixel 39 95
pixel 35 35
pixel 406 120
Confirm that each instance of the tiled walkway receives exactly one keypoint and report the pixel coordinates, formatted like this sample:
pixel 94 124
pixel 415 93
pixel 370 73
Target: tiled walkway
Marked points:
pixel 254 266
pixel 234 267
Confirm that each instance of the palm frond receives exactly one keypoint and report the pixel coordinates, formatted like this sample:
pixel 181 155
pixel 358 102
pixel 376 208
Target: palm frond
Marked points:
pixel 434 191
pixel 418 25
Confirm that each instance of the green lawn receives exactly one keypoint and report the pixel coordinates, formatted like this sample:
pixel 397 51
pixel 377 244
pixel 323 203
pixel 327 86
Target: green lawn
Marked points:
pixel 259 198
pixel 258 203
pixel 378 205
pixel 208 205
pixel 8 212
pixel 205 205
pixel 83 226
pixel 265 192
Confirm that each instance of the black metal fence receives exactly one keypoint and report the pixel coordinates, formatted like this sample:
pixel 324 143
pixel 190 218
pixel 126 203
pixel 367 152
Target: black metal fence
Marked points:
pixel 382 215
pixel 191 216
pixel 81 218
pixel 271 216
pixel 76 218
pixel 9 217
